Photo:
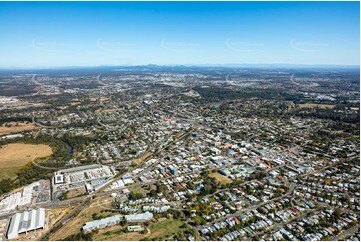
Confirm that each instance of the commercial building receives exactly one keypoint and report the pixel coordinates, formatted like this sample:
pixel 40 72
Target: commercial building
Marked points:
pixel 36 192
pixel 102 223
pixel 95 175
pixel 25 222
pixel 141 217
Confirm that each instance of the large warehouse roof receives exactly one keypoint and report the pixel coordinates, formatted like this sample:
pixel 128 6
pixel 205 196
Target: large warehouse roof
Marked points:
pixel 26 221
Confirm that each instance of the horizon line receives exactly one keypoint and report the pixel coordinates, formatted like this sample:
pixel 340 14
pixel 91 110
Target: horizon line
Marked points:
pixel 176 65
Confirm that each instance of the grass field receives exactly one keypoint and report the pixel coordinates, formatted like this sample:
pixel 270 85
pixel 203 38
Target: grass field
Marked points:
pixel 105 110
pixel 75 103
pixel 75 192
pixel 141 159
pixel 93 99
pixel 138 190
pixel 313 105
pixel 13 128
pixel 219 177
pixel 63 107
pixel 14 156
pixel 163 230
pixel 74 225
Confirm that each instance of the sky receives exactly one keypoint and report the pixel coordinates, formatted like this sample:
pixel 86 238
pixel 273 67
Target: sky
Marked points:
pixel 60 34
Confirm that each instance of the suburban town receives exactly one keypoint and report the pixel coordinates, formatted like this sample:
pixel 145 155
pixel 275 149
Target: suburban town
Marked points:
pixel 177 153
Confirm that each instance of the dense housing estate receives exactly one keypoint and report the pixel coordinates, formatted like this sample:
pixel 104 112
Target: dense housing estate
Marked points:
pixel 182 154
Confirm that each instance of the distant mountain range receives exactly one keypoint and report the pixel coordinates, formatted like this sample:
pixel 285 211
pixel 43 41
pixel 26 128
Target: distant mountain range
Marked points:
pixel 182 67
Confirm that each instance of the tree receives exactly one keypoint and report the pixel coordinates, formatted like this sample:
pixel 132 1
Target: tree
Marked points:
pixel 152 193
pixel 135 196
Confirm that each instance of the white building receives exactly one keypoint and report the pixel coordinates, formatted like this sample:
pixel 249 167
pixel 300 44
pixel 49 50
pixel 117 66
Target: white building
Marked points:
pixel 102 223
pixel 135 228
pixel 58 179
pixel 141 217
pixel 25 222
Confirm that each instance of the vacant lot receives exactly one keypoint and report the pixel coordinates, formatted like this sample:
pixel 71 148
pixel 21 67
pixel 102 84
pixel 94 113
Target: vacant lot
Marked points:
pixel 75 103
pixel 313 105
pixel 139 190
pixel 74 226
pixel 219 177
pixel 141 159
pixel 94 99
pixel 14 156
pixel 14 127
pixel 105 110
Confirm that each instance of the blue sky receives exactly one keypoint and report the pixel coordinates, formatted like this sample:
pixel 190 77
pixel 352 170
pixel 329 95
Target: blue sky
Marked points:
pixel 55 34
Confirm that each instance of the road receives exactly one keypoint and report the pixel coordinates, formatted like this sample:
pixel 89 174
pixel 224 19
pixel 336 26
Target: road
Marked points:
pixel 101 192
pixel 347 233
pixel 45 126
pixel 292 187
pixel 281 224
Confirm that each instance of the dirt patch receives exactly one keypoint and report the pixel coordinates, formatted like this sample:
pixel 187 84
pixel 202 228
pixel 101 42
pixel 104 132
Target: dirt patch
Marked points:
pixel 75 192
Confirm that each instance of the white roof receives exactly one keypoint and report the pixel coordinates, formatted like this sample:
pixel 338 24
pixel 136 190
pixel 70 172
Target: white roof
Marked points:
pixel 100 223
pixel 139 217
pixel 26 221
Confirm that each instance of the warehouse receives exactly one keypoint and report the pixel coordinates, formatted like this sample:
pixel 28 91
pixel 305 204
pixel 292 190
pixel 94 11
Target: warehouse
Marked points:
pixel 25 222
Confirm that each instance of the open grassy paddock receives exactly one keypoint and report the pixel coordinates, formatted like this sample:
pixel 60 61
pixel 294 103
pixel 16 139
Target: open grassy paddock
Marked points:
pixel 221 178
pixel 13 156
pixel 15 127
pixel 162 230
pixel 141 159
pixel 97 206
pixel 314 105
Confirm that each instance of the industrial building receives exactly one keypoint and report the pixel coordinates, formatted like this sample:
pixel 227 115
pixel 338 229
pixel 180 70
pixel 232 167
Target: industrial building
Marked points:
pixel 58 179
pixel 141 217
pixel 25 222
pixel 102 223
pixel 94 175
pixel 36 192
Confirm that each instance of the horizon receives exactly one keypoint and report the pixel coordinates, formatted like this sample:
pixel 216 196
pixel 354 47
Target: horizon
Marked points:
pixel 275 66
pixel 92 34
